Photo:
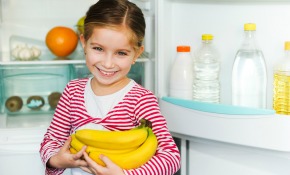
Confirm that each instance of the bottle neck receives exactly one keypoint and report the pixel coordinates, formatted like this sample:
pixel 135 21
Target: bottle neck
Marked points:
pixel 249 40
pixel 287 54
pixel 283 64
pixel 207 42
pixel 250 33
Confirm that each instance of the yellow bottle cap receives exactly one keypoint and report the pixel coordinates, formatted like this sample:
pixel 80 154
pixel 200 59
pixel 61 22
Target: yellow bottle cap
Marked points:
pixel 250 26
pixel 207 37
pixel 287 45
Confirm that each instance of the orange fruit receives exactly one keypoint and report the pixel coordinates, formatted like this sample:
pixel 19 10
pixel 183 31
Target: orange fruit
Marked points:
pixel 61 41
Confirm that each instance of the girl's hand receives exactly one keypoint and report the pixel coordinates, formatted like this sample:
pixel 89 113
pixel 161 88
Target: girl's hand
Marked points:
pixel 64 159
pixel 94 168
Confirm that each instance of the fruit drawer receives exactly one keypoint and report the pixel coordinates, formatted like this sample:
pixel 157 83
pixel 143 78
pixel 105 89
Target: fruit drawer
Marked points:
pixel 32 88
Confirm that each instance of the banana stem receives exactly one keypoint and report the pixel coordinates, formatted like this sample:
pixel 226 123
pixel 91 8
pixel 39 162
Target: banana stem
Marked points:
pixel 146 123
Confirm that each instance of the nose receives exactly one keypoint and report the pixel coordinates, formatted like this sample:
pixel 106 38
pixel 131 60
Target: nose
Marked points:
pixel 108 61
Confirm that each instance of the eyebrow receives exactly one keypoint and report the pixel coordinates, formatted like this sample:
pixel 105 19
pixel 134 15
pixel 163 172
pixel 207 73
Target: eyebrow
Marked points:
pixel 119 49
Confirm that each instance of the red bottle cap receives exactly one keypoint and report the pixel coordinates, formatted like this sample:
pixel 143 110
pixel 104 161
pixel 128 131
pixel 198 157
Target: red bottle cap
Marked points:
pixel 183 48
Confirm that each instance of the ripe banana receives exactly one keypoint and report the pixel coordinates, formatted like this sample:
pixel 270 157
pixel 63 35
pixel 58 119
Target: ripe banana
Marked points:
pixel 133 159
pixel 72 150
pixel 78 145
pixel 113 139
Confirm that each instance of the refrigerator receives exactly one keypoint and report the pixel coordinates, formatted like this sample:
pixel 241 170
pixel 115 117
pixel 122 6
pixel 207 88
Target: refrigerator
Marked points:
pixel 212 138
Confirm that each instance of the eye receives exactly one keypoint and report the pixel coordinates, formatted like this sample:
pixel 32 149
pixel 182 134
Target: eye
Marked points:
pixel 122 53
pixel 98 48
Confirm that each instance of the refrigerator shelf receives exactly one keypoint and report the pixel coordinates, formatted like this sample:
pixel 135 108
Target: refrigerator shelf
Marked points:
pixel 143 58
pixel 24 124
pixel 218 108
pixel 266 131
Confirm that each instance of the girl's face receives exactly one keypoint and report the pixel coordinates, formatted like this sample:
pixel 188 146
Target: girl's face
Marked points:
pixel 109 55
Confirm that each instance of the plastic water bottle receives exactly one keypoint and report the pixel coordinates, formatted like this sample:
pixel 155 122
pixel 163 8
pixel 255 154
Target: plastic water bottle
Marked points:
pixel 249 74
pixel 181 74
pixel 206 84
pixel 281 103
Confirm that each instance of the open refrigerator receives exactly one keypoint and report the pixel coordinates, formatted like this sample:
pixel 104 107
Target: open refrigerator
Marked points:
pixel 26 23
pixel 212 138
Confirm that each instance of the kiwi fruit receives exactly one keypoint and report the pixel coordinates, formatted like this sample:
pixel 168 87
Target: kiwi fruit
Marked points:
pixel 35 102
pixel 14 103
pixel 53 99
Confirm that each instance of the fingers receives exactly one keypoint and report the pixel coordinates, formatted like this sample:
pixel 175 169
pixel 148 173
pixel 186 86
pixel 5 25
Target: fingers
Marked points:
pixel 86 169
pixel 93 167
pixel 78 157
pixel 67 143
pixel 106 160
pixel 110 166
pixel 90 162
pixel 79 154
pixel 81 163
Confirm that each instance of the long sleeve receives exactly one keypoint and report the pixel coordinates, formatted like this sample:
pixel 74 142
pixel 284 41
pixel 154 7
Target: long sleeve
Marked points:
pixel 166 160
pixel 70 114
pixel 57 133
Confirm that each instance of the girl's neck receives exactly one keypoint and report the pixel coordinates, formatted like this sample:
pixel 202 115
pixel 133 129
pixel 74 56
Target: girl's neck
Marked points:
pixel 101 89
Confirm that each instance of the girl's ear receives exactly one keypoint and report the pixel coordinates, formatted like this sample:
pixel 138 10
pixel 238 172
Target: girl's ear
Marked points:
pixel 139 52
pixel 82 39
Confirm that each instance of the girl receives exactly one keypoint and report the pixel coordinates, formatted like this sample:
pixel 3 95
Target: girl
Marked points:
pixel 112 41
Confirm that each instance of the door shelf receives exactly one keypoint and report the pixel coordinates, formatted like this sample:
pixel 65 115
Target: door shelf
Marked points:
pixel 255 127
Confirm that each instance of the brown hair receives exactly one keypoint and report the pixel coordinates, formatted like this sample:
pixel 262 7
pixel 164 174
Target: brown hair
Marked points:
pixel 116 14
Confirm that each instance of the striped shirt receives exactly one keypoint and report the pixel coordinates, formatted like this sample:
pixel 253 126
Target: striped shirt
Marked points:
pixel 138 103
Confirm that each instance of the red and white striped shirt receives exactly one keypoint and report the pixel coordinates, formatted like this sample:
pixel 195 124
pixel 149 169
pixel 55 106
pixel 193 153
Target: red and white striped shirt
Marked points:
pixel 138 103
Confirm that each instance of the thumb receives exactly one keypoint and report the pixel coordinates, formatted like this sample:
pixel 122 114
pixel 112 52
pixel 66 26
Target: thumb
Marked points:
pixel 110 164
pixel 67 143
pixel 106 160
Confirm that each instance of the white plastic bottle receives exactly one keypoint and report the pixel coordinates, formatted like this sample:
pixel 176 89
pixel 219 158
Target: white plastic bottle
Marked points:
pixel 181 74
pixel 281 93
pixel 249 74
pixel 206 83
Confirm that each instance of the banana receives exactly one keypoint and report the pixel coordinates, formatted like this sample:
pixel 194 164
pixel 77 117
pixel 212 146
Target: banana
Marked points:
pixel 113 139
pixel 72 150
pixel 78 145
pixel 133 159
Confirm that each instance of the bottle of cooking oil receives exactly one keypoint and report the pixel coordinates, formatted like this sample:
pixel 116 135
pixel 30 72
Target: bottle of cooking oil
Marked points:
pixel 249 74
pixel 281 99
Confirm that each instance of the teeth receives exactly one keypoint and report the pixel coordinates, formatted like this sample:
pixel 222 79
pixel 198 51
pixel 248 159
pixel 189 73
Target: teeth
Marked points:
pixel 107 73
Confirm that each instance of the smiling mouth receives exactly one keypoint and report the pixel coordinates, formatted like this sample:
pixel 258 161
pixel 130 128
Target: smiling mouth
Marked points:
pixel 107 73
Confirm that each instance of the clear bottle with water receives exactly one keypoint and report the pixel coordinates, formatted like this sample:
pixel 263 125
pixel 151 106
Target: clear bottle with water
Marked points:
pixel 206 83
pixel 281 95
pixel 249 74
pixel 180 85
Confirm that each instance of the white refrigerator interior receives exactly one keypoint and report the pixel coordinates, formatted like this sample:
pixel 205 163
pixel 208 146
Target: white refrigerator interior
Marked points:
pixel 28 22
pixel 214 139
pixel 219 140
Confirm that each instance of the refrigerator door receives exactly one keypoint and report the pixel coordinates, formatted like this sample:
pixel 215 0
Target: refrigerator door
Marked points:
pixel 183 23
pixel 19 151
pixel 222 143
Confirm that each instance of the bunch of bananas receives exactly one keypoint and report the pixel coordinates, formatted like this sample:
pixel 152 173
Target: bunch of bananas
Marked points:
pixel 128 149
